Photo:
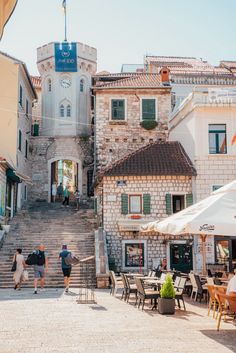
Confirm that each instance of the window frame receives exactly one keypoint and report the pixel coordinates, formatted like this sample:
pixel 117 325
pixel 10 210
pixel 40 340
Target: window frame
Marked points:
pixel 49 85
pixel 216 134
pixel 68 110
pixel 141 203
pixel 26 107
pixel 82 85
pixel 111 110
pixel 172 203
pixel 141 108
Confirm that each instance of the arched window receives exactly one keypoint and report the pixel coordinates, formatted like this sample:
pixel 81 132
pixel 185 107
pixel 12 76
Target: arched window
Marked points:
pixel 82 85
pixel 62 111
pixel 49 85
pixel 68 111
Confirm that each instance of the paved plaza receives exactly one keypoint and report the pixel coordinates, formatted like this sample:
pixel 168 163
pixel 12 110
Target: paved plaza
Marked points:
pixel 53 322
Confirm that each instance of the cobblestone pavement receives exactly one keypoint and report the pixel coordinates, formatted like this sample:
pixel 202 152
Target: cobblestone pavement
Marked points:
pixel 52 322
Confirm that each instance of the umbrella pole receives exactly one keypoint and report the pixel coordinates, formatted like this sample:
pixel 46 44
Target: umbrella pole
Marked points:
pixel 203 238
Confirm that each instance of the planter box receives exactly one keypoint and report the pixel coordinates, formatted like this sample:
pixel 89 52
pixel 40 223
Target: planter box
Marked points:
pixel 166 306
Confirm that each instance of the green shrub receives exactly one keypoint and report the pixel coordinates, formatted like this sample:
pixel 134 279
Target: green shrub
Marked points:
pixel 148 124
pixel 167 290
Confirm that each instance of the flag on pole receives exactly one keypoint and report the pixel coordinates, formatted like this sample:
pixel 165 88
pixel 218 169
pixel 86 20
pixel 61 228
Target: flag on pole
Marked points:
pixel 6 9
pixel 233 142
pixel 64 5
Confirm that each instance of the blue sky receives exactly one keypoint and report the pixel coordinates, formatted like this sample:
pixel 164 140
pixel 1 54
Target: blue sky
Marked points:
pixel 123 31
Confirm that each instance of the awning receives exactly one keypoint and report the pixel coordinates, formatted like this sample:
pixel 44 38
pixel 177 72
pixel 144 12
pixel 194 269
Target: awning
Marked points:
pixel 12 176
pixel 24 178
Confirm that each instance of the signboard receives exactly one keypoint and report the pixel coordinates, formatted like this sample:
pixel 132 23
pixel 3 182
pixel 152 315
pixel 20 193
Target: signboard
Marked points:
pixel 65 57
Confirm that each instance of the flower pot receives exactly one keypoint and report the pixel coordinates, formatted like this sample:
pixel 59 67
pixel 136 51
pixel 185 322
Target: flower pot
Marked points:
pixel 135 217
pixel 6 227
pixel 166 306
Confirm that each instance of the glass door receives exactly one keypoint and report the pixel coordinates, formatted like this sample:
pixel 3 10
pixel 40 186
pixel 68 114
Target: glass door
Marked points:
pixel 181 257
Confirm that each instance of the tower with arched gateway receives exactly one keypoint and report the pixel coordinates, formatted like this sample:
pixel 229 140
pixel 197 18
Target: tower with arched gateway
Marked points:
pixel 61 146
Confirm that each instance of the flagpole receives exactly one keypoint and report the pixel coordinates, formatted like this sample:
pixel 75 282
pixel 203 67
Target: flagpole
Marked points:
pixel 65 24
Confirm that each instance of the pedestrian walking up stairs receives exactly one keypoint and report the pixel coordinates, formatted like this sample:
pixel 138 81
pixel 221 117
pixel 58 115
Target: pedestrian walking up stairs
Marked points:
pixel 53 226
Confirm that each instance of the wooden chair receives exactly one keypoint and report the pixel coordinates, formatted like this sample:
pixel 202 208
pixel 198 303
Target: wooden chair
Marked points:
pixel 116 283
pixel 144 294
pixel 227 307
pixel 194 285
pixel 180 291
pixel 131 289
pixel 210 281
pixel 125 290
pixel 213 304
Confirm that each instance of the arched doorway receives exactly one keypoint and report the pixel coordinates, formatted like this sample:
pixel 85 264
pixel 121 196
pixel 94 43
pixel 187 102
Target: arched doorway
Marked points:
pixel 66 171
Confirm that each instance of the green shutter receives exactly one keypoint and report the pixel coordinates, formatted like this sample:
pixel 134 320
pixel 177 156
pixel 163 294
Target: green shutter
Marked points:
pixel 124 204
pixel 146 203
pixel 189 200
pixel 36 129
pixel 168 204
pixel 149 109
pixel 118 109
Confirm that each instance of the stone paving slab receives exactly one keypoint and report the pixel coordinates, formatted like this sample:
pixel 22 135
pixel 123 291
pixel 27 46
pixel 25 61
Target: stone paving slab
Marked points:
pixel 52 322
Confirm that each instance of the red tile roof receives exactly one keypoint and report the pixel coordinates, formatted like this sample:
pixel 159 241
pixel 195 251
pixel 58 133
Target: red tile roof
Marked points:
pixel 160 158
pixel 140 80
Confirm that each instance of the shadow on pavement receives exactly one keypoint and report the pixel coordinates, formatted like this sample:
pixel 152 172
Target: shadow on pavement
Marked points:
pixel 28 294
pixel 226 338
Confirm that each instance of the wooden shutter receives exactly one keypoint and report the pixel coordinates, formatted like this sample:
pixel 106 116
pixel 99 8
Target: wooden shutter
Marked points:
pixel 124 204
pixel 146 204
pixel 149 109
pixel 96 205
pixel 168 204
pixel 189 200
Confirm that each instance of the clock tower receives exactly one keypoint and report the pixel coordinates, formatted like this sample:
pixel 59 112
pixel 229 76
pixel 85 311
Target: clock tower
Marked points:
pixel 66 70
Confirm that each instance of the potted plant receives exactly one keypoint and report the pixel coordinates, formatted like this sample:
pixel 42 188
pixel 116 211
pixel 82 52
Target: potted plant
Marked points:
pixel 166 302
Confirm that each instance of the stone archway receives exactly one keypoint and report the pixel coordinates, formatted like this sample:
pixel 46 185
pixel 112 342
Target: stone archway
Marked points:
pixel 68 158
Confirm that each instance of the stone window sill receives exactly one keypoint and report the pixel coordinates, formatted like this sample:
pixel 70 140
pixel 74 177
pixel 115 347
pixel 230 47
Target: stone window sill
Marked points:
pixel 118 122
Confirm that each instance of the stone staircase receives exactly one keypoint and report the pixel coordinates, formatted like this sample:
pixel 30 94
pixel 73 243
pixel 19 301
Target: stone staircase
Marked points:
pixel 51 225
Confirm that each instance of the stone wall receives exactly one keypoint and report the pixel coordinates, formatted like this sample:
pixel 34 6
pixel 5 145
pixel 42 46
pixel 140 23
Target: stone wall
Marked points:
pixel 115 139
pixel 157 187
pixel 48 149
pixel 3 181
pixel 213 170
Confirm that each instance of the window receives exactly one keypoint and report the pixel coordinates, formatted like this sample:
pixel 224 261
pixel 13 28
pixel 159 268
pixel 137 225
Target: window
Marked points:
pixel 62 111
pixel 216 187
pixel 217 139
pixel 27 107
pixel 21 96
pixel 118 109
pixel 148 109
pixel 135 204
pixel 68 111
pixel 82 85
pixel 49 85
pixel 19 140
pixel 178 203
pixel 26 149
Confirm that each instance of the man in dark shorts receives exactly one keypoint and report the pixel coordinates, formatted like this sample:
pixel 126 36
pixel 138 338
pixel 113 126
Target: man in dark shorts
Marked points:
pixel 66 269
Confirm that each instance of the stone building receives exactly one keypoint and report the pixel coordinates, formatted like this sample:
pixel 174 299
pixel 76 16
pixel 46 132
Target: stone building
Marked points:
pixel 15 129
pixel 62 150
pixel 131 111
pixel 147 185
pixel 186 73
pixel 206 127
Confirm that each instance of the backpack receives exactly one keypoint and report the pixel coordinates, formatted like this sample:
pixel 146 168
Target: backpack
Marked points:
pixel 32 259
pixel 40 258
pixel 71 260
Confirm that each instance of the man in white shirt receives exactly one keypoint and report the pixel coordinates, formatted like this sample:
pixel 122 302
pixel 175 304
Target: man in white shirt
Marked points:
pixel 231 288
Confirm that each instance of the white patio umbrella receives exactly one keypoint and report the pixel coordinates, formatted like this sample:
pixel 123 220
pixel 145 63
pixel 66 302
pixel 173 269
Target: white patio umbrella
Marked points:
pixel 215 215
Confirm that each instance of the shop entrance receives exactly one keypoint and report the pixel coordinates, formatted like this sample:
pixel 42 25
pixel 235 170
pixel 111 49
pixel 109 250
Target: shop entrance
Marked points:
pixel 225 252
pixel 66 172
pixel 181 257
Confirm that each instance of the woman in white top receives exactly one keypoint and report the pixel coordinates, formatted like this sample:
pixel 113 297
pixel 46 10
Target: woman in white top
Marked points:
pixel 20 266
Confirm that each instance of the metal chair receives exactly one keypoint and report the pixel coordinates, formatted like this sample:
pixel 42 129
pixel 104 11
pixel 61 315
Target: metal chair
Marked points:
pixel 180 291
pixel 116 283
pixel 144 294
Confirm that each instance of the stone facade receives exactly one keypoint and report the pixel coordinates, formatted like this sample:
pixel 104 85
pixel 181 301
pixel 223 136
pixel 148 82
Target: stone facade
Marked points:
pixel 46 150
pixel 116 139
pixel 156 247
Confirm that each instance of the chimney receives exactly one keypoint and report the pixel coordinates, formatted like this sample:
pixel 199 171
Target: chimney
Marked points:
pixel 165 75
